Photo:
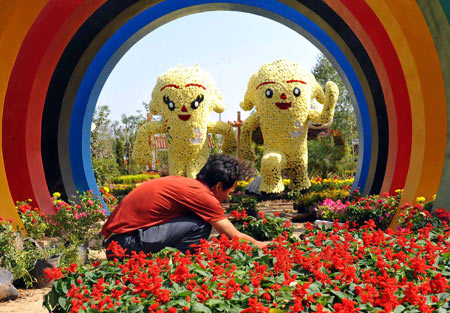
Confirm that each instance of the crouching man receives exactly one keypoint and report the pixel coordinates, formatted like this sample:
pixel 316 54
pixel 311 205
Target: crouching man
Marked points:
pixel 176 211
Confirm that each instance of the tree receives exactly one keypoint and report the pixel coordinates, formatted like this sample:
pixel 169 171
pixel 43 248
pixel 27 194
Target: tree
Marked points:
pixel 119 152
pixel 102 152
pixel 344 117
pixel 125 134
pixel 101 139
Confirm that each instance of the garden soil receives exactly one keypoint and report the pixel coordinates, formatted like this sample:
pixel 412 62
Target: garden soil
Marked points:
pixel 30 300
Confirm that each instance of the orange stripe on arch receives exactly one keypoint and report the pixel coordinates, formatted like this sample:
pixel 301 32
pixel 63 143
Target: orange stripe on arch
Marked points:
pixel 422 67
pixel 16 19
pixel 39 54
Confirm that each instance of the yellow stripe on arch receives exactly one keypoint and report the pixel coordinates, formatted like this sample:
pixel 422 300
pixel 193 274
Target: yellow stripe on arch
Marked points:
pixel 408 31
pixel 16 17
pixel 430 73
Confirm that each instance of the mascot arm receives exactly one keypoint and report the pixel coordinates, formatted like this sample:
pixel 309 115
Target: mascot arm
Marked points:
pixel 250 124
pixel 142 152
pixel 229 138
pixel 327 113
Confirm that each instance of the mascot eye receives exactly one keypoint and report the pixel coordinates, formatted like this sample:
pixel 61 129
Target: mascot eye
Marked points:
pixel 269 93
pixel 197 101
pixel 297 91
pixel 170 103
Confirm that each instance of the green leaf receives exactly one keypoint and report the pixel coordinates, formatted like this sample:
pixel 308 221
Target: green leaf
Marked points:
pixel 313 288
pixel 201 272
pixel 200 307
pixel 341 295
pixel 399 308
pixel 63 302
pixel 184 293
pixel 64 288
pixel 443 296
pixel 135 308
pixel 213 302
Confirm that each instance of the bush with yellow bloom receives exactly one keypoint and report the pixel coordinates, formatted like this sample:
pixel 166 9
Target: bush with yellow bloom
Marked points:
pixel 184 97
pixel 282 93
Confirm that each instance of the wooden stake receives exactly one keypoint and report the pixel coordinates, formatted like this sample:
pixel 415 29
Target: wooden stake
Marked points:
pixel 238 124
pixel 149 119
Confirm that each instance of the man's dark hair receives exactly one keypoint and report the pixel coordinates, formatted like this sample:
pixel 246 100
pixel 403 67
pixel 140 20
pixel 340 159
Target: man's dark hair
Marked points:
pixel 220 168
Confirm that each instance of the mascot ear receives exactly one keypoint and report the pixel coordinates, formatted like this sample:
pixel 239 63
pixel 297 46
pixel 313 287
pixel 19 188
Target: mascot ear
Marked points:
pixel 154 107
pixel 216 102
pixel 248 102
pixel 155 102
pixel 317 92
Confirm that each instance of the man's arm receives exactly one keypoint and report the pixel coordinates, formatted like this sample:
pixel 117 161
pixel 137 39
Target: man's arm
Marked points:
pixel 226 227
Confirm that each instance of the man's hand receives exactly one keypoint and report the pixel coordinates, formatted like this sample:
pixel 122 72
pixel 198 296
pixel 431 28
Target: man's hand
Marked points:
pixel 262 244
pixel 226 227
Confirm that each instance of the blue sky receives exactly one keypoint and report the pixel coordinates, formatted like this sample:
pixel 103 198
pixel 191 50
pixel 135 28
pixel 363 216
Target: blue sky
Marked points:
pixel 229 45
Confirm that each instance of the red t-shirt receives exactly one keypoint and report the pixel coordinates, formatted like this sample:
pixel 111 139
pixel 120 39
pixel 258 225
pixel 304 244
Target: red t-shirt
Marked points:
pixel 161 200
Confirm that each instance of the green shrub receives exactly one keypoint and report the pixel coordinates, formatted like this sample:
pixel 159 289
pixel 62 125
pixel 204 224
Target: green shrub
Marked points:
pixel 312 199
pixel 121 190
pixel 325 153
pixel 133 179
pixel 244 203
pixel 267 226
pixel 104 170
pixel 16 259
pixel 33 219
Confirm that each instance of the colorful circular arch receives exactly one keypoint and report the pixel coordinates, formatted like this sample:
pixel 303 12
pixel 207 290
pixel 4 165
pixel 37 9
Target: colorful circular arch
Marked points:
pixel 56 56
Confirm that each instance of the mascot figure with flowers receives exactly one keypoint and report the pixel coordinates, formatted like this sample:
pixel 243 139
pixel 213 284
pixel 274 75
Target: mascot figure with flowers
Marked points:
pixel 184 97
pixel 281 93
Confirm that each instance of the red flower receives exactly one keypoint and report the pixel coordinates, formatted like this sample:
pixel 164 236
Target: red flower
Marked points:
pixel 347 306
pixel 255 307
pixel 116 249
pixel 53 273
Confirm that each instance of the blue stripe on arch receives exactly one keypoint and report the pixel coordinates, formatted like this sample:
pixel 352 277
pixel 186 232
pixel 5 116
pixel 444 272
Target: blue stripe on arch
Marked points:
pixel 110 53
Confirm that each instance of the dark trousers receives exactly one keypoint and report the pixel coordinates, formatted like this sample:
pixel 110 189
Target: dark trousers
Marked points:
pixel 179 233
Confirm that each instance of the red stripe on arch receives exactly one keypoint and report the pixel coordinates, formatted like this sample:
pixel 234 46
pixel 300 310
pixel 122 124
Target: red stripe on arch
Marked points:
pixel 25 96
pixel 366 25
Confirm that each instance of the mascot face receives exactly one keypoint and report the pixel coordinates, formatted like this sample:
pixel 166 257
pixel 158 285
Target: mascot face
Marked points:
pixel 280 89
pixel 185 96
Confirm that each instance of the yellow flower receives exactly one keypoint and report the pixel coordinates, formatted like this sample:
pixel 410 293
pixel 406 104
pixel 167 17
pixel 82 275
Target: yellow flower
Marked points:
pixel 420 200
pixel 433 198
pixel 398 190
pixel 56 195
pixel 106 189
pixel 242 183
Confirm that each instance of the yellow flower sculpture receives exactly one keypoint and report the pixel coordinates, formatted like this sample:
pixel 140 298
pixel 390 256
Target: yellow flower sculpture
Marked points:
pixel 282 93
pixel 184 97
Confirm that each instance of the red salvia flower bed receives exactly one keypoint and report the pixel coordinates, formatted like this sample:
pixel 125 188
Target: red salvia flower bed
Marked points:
pixel 325 270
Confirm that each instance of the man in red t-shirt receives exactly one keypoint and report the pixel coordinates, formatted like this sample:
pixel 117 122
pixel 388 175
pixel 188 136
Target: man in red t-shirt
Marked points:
pixel 176 211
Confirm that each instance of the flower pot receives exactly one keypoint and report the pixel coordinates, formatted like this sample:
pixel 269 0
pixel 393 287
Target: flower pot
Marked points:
pixel 83 254
pixel 326 223
pixel 42 264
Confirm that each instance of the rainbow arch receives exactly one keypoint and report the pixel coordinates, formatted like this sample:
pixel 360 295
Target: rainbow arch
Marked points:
pixel 56 55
